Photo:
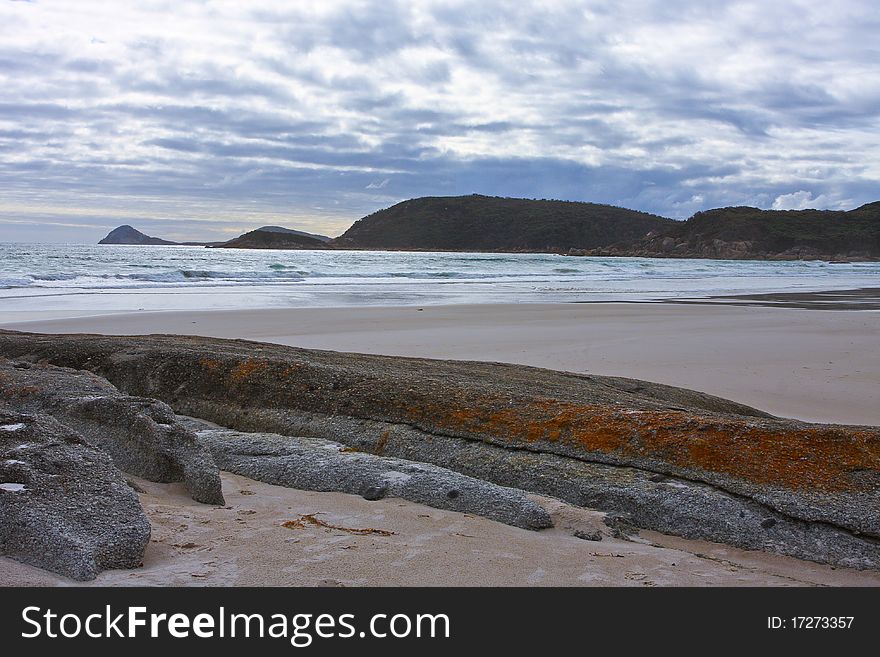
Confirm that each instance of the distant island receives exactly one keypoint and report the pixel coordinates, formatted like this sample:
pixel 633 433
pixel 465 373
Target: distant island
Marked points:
pixel 128 235
pixel 276 237
pixel 494 224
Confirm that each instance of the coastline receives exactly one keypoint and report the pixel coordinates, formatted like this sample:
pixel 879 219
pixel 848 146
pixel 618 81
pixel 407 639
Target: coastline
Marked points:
pixel 865 298
pixel 791 361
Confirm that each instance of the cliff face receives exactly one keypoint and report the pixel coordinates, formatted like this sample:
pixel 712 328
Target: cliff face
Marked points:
pixel 750 233
pixel 483 223
pixel 128 235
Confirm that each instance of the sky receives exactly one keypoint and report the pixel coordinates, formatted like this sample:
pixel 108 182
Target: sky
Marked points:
pixel 200 120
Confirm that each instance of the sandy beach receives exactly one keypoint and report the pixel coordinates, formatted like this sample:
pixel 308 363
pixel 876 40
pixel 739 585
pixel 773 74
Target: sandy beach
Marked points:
pixel 813 365
pixel 245 544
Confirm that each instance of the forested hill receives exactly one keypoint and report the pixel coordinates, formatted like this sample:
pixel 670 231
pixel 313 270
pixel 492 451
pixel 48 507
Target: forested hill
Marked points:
pixel 751 233
pixel 485 223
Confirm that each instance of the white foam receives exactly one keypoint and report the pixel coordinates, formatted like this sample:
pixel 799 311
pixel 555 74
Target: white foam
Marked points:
pixel 12 488
pixel 13 462
pixel 74 279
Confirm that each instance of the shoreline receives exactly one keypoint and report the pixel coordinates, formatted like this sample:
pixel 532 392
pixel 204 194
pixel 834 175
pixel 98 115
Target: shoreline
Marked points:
pixel 863 298
pixel 791 361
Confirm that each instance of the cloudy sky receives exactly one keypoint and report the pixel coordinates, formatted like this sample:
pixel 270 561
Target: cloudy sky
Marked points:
pixel 204 119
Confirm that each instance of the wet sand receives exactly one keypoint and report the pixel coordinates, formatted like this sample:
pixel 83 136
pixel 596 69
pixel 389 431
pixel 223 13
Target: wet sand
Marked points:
pixel 859 299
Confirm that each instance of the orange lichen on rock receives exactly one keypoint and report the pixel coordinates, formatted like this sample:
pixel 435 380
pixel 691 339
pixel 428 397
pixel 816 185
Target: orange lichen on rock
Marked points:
pixel 209 364
pixel 12 390
pixel 382 443
pixel 246 369
pixel 821 457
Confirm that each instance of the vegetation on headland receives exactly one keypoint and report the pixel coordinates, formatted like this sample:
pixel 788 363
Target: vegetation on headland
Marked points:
pixel 270 239
pixel 745 232
pixel 484 223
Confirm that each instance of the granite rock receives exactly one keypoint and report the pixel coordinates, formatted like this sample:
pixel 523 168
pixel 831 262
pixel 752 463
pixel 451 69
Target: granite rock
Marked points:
pixel 142 435
pixel 64 506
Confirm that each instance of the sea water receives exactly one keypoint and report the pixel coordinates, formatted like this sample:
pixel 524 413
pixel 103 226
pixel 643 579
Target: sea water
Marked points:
pixel 86 279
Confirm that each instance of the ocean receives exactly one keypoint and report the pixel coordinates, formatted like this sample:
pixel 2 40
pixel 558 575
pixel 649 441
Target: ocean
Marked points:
pixel 93 279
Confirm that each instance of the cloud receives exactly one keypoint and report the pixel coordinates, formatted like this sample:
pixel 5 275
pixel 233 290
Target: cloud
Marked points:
pixel 283 110
pixel 803 200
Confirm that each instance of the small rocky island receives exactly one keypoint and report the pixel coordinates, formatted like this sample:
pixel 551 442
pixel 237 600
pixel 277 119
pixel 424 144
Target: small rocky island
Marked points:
pixel 78 413
pixel 128 235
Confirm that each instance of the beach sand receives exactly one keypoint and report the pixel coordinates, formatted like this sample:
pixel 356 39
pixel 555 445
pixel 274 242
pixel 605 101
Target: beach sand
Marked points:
pixel 814 365
pixel 245 543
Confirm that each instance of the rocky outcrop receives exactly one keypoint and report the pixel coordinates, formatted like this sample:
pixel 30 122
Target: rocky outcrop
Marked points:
pixel 639 497
pixel 323 465
pixel 64 506
pixel 128 235
pixel 142 435
pixel 542 427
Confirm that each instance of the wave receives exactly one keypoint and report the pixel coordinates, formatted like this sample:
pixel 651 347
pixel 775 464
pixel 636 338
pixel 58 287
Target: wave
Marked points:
pixel 11 282
pixel 392 277
pixel 279 273
pixel 275 276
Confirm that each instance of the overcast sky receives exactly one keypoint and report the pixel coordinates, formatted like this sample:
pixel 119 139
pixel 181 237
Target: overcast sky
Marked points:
pixel 205 119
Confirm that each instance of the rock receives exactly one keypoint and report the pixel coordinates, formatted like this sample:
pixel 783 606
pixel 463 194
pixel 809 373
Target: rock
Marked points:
pixel 329 583
pixel 622 525
pixel 591 440
pixel 373 493
pixel 142 435
pixel 323 465
pixel 64 506
pixel 586 535
pixel 136 487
